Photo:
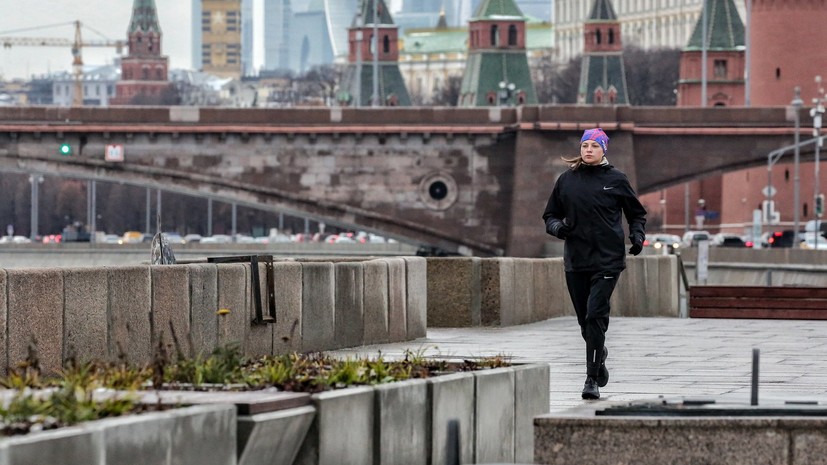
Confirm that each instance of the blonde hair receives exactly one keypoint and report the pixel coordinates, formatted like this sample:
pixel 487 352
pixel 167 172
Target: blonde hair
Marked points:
pixel 574 162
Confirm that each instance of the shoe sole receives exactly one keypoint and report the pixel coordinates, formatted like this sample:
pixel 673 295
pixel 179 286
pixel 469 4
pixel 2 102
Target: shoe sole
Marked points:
pixel 590 396
pixel 603 373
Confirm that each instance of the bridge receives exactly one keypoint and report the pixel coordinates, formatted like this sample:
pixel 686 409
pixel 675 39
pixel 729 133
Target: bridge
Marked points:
pixel 467 180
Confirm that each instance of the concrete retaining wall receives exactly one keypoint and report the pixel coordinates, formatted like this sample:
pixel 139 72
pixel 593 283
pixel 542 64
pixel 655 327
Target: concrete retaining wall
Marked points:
pixel 113 312
pixel 510 291
pixel 579 436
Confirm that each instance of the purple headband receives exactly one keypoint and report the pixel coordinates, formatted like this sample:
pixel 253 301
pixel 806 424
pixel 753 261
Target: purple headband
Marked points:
pixel 598 136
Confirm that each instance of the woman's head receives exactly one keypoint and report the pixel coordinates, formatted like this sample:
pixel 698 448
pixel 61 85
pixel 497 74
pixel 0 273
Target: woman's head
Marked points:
pixel 593 146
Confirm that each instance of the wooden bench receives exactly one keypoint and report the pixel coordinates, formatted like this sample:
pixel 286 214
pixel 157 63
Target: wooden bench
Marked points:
pixel 786 303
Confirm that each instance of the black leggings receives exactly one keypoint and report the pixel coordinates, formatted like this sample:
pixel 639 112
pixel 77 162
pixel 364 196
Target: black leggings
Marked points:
pixel 590 293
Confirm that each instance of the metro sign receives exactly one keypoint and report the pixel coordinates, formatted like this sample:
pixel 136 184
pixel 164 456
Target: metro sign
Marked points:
pixel 114 152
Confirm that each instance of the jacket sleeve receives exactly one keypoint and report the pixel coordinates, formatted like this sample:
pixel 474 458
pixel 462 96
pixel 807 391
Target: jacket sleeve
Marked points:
pixel 554 212
pixel 635 215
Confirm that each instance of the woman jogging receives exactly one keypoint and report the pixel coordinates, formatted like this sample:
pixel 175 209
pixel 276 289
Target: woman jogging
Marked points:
pixel 585 209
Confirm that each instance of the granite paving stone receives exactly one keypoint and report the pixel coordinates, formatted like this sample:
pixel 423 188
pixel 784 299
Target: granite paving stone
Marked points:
pixel 649 357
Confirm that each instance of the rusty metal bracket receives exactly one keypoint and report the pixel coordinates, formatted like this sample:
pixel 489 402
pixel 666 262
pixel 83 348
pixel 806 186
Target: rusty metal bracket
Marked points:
pixel 254 260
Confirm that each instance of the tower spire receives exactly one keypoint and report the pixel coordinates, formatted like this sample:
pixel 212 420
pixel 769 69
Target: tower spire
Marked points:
pixel 602 75
pixel 496 70
pixel 144 17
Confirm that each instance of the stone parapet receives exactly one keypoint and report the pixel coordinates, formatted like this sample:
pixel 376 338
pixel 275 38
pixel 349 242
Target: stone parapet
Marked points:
pixel 508 291
pixel 114 313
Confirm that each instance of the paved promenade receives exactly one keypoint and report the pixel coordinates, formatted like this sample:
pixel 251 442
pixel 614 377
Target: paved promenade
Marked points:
pixel 649 357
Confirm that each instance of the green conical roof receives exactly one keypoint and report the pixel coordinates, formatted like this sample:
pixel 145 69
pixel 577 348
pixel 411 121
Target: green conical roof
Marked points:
pixel 391 85
pixel 367 12
pixel 144 17
pixel 602 11
pixel 604 71
pixel 724 28
pixel 493 8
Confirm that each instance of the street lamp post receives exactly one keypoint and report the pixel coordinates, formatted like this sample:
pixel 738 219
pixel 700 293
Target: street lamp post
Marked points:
pixel 35 180
pixel 506 92
pixel 816 112
pixel 796 103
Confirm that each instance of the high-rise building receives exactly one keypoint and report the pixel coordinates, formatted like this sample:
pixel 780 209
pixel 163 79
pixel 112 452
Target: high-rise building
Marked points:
pixel 221 37
pixel 319 33
pixel 277 24
pixel 196 34
pixel 248 44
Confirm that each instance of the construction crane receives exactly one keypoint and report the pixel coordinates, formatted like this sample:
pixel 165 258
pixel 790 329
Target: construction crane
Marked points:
pixel 76 45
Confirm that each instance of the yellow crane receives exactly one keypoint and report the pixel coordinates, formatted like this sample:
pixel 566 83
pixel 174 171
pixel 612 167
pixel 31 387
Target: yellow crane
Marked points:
pixel 76 45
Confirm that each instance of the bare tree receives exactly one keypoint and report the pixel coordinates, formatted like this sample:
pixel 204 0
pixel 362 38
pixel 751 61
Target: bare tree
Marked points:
pixel 652 75
pixel 319 82
pixel 448 95
pixel 560 82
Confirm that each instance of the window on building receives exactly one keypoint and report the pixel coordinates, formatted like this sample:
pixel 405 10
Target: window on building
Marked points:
pixel 598 37
pixel 719 69
pixel 512 35
pixel 778 73
pixel 495 35
pixel 386 44
pixel 145 73
pixel 611 36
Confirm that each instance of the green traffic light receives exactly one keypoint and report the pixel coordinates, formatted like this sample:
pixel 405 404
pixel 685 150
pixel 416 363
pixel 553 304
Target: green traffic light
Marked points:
pixel 65 149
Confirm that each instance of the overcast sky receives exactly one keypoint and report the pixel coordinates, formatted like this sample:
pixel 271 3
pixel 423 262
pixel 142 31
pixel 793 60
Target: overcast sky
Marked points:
pixel 109 17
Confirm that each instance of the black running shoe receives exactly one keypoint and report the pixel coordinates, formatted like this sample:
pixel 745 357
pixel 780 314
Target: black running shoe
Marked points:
pixel 590 390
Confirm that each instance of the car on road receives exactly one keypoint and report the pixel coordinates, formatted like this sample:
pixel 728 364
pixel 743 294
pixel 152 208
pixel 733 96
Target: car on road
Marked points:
pixel 729 240
pixel 691 238
pixel 217 239
pixel 783 238
pixel 659 241
pixel 111 239
pixel 813 241
pixel 193 238
pixel 132 237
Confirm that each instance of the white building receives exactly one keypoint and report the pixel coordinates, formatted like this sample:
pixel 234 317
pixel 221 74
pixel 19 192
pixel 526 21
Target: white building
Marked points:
pixel 97 85
pixel 644 23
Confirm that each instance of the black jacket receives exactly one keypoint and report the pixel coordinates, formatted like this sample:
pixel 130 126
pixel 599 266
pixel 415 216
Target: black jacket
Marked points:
pixel 585 209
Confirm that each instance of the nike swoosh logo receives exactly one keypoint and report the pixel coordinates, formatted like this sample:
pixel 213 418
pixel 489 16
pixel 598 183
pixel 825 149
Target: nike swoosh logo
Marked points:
pixel 607 188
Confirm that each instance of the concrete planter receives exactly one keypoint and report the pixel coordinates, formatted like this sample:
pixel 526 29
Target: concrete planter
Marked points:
pixel 406 422
pixel 271 425
pixel 199 435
